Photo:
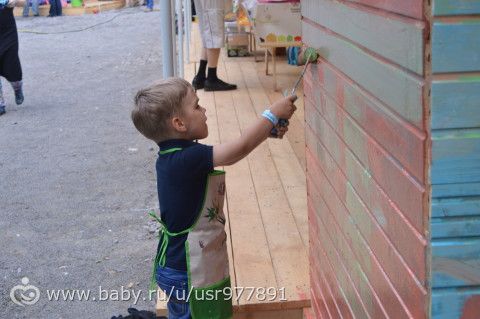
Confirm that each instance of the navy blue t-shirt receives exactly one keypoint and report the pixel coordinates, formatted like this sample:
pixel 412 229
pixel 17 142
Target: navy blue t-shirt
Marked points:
pixel 181 182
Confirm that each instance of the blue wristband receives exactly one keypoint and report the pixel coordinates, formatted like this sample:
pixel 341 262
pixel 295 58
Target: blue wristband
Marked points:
pixel 270 116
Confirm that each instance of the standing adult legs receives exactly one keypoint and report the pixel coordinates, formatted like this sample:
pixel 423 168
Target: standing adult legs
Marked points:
pixel 18 89
pixel 53 8
pixel 59 7
pixel 26 8
pixel 150 4
pixel 35 8
pixel 11 69
pixel 210 14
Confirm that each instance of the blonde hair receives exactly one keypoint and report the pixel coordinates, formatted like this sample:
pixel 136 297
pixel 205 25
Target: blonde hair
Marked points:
pixel 156 104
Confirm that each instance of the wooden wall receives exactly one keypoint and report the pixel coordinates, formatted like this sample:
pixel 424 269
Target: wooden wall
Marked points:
pixel 366 158
pixel 392 117
pixel 455 169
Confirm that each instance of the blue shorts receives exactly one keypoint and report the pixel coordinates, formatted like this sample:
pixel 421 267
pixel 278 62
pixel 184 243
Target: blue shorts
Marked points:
pixel 175 285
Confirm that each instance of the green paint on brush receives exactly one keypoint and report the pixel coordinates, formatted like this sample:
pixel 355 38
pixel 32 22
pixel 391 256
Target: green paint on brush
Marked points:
pixel 310 55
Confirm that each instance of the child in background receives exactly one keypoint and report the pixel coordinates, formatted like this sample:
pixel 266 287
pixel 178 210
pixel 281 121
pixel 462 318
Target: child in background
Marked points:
pixel 10 66
pixel 191 264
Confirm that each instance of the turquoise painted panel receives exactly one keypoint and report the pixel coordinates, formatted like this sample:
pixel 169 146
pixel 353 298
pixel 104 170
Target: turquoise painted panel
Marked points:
pixel 448 227
pixel 455 206
pixel 455 262
pixel 456 303
pixel 455 7
pixel 455 156
pixel 456 46
pixel 459 189
pixel 405 48
pixel 456 103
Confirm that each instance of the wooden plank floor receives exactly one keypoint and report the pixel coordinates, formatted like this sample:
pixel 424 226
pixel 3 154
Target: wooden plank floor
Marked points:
pixel 266 204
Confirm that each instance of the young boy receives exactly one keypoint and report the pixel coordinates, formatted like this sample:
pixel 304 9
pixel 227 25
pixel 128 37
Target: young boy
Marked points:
pixel 191 265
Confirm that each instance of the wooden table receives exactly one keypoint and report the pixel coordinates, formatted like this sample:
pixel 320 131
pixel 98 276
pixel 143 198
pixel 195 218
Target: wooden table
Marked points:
pixel 271 47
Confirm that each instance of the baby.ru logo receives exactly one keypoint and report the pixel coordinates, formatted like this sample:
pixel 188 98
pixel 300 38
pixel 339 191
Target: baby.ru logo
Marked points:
pixel 25 294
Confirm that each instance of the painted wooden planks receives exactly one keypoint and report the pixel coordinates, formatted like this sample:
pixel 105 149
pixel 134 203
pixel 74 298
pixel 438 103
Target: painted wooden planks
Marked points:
pixel 455 7
pixel 401 139
pixel 365 234
pixel 455 156
pixel 455 45
pixel 410 8
pixel 456 303
pixel 449 227
pixel 406 244
pixel 401 91
pixel 343 259
pixel 378 166
pixel 455 103
pixel 455 206
pixel 458 189
pixel 403 302
pixel 348 297
pixel 455 262
pixel 399 40
pixel 361 189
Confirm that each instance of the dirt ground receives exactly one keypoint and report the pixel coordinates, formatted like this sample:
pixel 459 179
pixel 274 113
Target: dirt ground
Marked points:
pixel 76 179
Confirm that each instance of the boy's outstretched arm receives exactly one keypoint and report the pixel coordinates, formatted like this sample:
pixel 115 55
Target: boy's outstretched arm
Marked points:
pixel 231 152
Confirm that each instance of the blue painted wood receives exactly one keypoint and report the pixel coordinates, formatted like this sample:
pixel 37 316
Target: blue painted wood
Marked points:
pixel 452 190
pixel 455 302
pixel 448 227
pixel 456 46
pixel 455 7
pixel 455 262
pixel 455 206
pixel 455 156
pixel 456 103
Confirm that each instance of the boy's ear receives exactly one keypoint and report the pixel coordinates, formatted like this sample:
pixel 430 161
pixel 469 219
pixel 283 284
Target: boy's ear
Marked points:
pixel 178 125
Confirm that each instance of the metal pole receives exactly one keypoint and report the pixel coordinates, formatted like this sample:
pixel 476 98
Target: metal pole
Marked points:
pixel 174 37
pixel 188 21
pixel 180 36
pixel 166 34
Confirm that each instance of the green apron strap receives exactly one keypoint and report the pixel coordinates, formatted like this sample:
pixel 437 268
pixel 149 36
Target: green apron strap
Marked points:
pixel 170 150
pixel 163 234
pixel 161 256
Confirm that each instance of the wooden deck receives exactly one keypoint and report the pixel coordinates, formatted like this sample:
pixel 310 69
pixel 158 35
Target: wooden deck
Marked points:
pixel 266 205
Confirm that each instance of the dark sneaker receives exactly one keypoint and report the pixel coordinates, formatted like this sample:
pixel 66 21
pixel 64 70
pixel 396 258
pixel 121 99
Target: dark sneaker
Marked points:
pixel 218 85
pixel 19 96
pixel 139 314
pixel 2 109
pixel 198 83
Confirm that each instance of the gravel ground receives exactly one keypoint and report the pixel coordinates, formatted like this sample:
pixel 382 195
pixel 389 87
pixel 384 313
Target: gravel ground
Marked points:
pixel 76 179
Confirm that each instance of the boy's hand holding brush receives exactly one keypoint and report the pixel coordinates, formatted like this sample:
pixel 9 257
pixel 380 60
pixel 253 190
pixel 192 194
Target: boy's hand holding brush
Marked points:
pixel 306 56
